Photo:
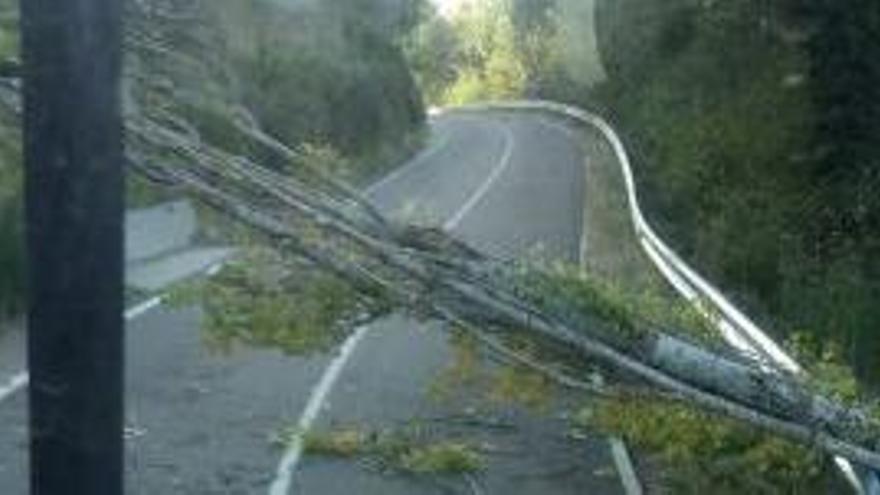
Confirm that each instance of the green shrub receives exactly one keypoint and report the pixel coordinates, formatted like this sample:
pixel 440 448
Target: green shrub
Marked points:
pixel 12 261
pixel 702 453
pixel 264 299
pixel 753 141
pixel 410 450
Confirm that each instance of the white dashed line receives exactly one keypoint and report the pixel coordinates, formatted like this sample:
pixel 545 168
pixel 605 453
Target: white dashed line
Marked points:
pixel 21 379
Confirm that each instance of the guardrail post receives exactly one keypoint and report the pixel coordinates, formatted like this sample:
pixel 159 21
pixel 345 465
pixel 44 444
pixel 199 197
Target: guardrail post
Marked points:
pixel 74 210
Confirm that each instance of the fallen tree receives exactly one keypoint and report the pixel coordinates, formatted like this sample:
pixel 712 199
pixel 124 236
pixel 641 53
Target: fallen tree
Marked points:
pixel 477 292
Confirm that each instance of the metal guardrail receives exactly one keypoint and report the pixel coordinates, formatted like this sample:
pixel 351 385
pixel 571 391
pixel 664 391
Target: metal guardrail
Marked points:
pixel 735 326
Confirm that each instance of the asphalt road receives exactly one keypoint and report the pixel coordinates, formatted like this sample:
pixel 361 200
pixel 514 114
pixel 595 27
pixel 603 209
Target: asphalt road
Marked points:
pixel 201 423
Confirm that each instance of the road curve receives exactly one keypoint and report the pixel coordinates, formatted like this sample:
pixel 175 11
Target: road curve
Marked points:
pixel 511 185
pixel 199 423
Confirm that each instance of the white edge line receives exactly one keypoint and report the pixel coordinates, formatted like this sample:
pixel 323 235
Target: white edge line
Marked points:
pixel 481 191
pixel 284 475
pixel 584 240
pixel 21 379
pixel 625 468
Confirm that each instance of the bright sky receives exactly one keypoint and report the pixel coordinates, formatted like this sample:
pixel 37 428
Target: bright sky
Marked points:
pixel 446 7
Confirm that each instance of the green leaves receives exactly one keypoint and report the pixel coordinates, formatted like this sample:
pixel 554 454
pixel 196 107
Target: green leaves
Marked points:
pixel 829 375
pixel 448 457
pixel 748 123
pixel 12 259
pixel 474 56
pixel 701 453
pixel 320 74
pixel 264 299
pixel 412 450
pixel 627 313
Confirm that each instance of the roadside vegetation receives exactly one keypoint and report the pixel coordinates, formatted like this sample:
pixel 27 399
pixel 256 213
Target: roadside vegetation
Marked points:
pixel 414 449
pixel 698 452
pixel 326 78
pixel 318 78
pixel 11 228
pixel 751 122
pixel 325 74
pixel 506 49
pixel 12 239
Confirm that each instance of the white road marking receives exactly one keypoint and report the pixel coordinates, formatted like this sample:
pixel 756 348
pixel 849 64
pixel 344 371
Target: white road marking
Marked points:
pixel 422 158
pixel 289 462
pixel 625 468
pixel 142 308
pixel 584 240
pixel 213 270
pixel 480 193
pixel 284 474
pixel 619 453
pixel 14 384
pixel 21 379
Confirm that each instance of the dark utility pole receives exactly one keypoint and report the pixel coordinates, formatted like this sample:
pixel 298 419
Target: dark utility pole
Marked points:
pixel 74 195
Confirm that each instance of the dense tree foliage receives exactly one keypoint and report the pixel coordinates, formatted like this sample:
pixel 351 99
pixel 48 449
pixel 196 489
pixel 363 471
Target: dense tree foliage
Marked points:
pixel 318 72
pixel 472 56
pixel 11 247
pixel 507 49
pixel 328 75
pixel 433 54
pixel 753 123
pixel 844 235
